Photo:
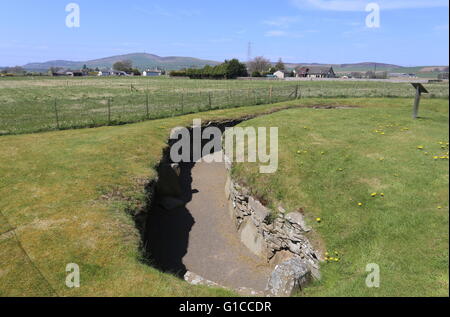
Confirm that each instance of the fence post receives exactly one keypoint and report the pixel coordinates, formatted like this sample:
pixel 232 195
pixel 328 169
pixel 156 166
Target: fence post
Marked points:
pixel 56 114
pixel 109 111
pixel 182 102
pixel 296 91
pixel 270 94
pixel 254 97
pixel 210 101
pixel 146 105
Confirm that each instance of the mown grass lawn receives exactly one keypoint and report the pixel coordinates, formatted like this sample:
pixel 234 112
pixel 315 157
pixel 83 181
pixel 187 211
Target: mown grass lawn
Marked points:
pixel 54 211
pixel 379 182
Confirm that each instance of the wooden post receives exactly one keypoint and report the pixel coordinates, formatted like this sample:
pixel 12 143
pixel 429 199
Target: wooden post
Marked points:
pixel 209 100
pixel 146 105
pixel 56 114
pixel 270 94
pixel 296 91
pixel 419 90
pixel 109 111
pixel 416 103
pixel 182 102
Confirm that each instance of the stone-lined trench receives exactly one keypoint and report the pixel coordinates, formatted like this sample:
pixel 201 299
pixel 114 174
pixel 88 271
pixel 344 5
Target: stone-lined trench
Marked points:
pixel 205 228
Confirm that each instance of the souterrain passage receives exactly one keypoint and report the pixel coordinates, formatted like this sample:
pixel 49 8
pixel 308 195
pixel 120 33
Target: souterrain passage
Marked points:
pixel 376 179
pixel 200 237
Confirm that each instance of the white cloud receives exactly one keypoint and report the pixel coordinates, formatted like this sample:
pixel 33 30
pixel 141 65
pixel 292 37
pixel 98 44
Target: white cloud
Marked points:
pixel 279 33
pixel 360 5
pixel 283 22
pixel 157 10
pixel 275 33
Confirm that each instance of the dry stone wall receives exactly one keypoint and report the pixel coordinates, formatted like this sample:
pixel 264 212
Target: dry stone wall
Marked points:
pixel 277 236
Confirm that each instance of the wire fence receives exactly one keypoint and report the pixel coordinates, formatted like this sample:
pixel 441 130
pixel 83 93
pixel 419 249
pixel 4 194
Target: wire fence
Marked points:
pixel 26 111
pixel 63 113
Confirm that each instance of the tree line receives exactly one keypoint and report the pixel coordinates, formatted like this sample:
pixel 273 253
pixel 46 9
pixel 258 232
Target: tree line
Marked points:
pixel 230 69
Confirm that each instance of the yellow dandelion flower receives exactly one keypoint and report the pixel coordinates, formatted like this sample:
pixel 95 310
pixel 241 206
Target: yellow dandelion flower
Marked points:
pixel 373 194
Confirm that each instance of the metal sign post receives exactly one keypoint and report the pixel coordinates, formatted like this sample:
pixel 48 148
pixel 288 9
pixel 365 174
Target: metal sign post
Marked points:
pixel 419 90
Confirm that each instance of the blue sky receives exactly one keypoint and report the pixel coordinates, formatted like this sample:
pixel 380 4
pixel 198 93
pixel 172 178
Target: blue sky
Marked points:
pixel 412 32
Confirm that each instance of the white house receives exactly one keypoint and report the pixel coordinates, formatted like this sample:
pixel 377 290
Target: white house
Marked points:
pixel 280 74
pixel 111 73
pixel 151 73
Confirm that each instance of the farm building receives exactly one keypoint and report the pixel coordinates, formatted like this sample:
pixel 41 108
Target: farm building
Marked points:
pixel 151 73
pixel 61 72
pixel 76 73
pixel 112 73
pixel 280 74
pixel 404 75
pixel 315 72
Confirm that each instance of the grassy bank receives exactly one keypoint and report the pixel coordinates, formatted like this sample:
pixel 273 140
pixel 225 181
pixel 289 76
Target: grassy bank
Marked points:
pixel 64 197
pixel 377 180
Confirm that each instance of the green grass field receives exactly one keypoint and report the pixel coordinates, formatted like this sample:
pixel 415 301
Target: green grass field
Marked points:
pixel 42 104
pixel 379 182
pixel 65 197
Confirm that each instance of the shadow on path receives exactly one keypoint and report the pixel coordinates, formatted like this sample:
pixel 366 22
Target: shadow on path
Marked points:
pixel 167 235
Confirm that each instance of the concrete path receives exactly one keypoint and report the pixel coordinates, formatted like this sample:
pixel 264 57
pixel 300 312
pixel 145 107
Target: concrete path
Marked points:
pixel 215 251
pixel 201 237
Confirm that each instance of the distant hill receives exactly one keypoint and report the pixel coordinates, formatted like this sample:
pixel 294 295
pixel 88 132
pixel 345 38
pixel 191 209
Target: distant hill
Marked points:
pixel 145 60
pixel 140 60
pixel 354 67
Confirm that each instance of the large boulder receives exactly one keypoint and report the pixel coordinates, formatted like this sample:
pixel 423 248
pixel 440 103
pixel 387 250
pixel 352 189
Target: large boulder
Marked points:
pixel 260 212
pixel 295 218
pixel 288 277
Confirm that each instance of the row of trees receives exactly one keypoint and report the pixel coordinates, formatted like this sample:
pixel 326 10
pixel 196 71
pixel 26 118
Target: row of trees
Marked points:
pixel 16 70
pixel 257 67
pixel 261 66
pixel 228 70
pixel 127 67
